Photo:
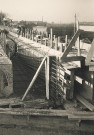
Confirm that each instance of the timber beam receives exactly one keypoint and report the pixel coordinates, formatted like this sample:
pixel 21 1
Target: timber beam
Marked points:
pixel 72 42
pixel 73 58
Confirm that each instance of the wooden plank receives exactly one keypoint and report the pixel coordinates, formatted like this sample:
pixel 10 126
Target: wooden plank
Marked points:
pixel 73 58
pixel 35 112
pixel 34 78
pixel 71 44
pixel 75 117
pixel 85 102
pixel 67 71
pixel 78 79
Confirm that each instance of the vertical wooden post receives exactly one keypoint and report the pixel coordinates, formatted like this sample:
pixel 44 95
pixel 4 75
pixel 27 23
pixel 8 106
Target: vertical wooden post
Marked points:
pixel 54 38
pixel 56 44
pixel 75 25
pixel 41 38
pixel 47 73
pixel 66 41
pixel 79 52
pixel 21 31
pixel 32 36
pixel 61 48
pixel 25 32
pixel 45 42
pixel 51 41
pixel 78 41
pixel 49 37
pixel 59 39
pixel 72 84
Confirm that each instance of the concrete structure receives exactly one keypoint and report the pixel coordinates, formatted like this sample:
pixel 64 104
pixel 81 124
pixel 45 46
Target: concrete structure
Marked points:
pixel 6 75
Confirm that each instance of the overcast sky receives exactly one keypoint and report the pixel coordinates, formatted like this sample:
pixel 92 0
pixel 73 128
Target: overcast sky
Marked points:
pixel 59 11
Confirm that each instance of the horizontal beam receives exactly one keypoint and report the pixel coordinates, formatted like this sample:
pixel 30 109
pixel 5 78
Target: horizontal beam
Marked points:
pixel 89 63
pixel 73 58
pixel 81 117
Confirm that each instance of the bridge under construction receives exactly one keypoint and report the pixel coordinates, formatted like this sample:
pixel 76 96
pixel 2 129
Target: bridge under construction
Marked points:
pixel 47 87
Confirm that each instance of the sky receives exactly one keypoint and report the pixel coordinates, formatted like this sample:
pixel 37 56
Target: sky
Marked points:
pixel 58 11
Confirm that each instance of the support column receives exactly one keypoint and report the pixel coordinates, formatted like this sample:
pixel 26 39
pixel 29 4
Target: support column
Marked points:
pixel 78 41
pixel 32 36
pixel 66 41
pixel 51 40
pixel 47 73
pixel 45 42
pixel 56 44
pixel 59 39
pixel 54 38
pixel 61 48
pixel 72 84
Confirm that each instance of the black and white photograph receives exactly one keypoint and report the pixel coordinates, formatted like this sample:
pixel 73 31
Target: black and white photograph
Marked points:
pixel 46 67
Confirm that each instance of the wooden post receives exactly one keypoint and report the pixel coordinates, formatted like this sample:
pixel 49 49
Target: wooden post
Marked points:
pixel 25 32
pixel 34 78
pixel 54 38
pixel 32 36
pixel 61 48
pixel 59 39
pixel 79 52
pixel 51 40
pixel 66 41
pixel 21 31
pixel 78 41
pixel 45 42
pixel 41 38
pixel 72 84
pixel 47 73
pixel 49 37
pixel 56 44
